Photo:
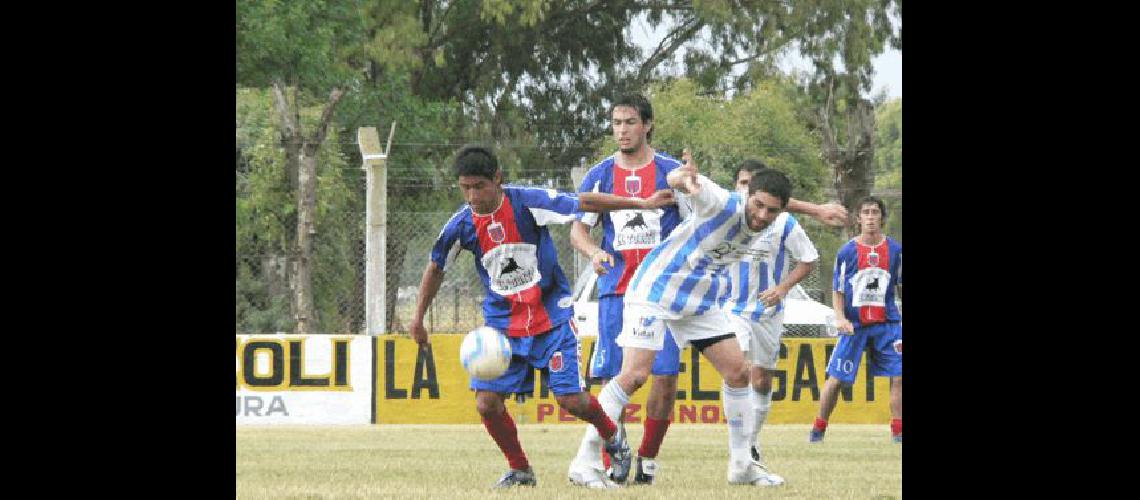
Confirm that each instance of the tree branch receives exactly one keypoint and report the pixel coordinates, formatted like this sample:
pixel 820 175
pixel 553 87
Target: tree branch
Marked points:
pixel 288 128
pixel 679 36
pixel 326 117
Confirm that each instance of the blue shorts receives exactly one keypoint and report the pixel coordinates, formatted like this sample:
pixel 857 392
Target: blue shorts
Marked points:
pixel 606 362
pixel 882 359
pixel 556 350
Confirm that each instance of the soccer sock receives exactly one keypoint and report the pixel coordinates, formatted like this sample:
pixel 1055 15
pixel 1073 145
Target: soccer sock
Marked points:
pixel 896 426
pixel 596 416
pixel 613 400
pixel 651 439
pixel 736 406
pixel 820 424
pixel 761 404
pixel 502 429
pixel 611 403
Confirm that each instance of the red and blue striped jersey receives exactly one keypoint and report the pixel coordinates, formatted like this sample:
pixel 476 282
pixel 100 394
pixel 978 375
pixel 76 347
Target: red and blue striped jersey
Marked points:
pixel 866 276
pixel 526 291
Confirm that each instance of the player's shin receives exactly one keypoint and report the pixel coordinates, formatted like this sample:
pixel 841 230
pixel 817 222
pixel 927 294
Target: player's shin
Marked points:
pixel 502 429
pixel 761 405
pixel 737 406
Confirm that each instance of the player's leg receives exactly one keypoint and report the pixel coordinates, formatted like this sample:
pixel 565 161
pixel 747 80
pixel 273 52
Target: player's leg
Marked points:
pixel 490 397
pixel 604 364
pixel 764 349
pixel 707 334
pixel 659 406
pixel 841 370
pixel 884 359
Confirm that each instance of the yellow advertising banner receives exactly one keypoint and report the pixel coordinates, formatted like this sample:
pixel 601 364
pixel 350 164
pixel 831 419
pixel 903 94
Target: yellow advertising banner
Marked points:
pixel 415 386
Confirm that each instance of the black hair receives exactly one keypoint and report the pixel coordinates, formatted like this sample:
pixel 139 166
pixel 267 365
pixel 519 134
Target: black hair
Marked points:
pixel 641 104
pixel 772 182
pixel 476 160
pixel 752 166
pixel 877 201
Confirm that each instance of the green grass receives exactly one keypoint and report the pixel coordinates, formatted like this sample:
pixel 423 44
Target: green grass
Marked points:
pixel 461 461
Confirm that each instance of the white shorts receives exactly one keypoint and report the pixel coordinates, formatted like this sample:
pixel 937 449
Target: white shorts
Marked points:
pixel 760 340
pixel 643 326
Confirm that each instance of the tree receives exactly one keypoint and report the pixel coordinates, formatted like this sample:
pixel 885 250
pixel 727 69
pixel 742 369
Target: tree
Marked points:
pixel 302 46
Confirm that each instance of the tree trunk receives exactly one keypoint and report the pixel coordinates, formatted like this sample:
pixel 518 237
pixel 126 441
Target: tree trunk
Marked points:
pixel 306 209
pixel 852 164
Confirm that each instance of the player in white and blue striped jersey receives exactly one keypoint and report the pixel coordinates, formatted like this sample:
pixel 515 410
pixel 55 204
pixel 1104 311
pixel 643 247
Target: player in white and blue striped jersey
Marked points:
pixel 681 284
pixel 754 306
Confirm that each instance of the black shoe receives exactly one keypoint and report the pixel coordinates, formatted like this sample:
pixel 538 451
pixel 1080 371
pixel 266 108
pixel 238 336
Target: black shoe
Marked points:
pixel 646 469
pixel 517 478
pixel 620 456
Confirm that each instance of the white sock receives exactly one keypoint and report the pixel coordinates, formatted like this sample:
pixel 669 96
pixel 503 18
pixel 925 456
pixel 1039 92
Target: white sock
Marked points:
pixel 612 400
pixel 761 404
pixel 736 408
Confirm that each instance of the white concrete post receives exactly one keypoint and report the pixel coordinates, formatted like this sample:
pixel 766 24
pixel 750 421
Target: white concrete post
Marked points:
pixel 376 227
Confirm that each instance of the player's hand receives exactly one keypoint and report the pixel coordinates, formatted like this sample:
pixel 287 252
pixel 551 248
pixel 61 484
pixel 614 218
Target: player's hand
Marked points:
pixel 598 259
pixel 832 214
pixel 844 326
pixel 419 333
pixel 660 199
pixel 773 296
pixel 685 176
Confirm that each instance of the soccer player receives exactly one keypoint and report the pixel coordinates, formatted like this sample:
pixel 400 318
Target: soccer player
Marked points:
pixel 635 171
pixel 867 271
pixel 679 286
pixel 754 307
pixel 527 294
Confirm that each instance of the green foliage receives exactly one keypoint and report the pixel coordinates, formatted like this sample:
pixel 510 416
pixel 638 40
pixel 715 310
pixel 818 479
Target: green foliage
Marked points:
pixel 888 161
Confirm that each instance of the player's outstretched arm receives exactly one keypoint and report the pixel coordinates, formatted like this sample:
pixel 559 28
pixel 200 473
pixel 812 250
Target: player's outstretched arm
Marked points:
pixel 774 295
pixel 605 202
pixel 684 178
pixel 832 214
pixel 581 241
pixel 429 286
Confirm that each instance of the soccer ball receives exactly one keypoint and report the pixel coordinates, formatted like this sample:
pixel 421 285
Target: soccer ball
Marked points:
pixel 485 353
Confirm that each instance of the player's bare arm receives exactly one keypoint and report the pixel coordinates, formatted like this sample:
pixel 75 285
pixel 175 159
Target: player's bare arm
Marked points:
pixel 605 202
pixel 429 285
pixel 774 295
pixel 581 241
pixel 832 214
pixel 842 324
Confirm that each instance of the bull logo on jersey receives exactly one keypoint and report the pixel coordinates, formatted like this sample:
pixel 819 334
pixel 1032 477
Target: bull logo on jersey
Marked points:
pixel 636 229
pixel 873 285
pixel 511 267
pixel 633 185
pixel 556 364
pixel 496 232
pixel 637 222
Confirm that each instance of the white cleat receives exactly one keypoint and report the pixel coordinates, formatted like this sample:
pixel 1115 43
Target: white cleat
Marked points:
pixel 755 474
pixel 590 477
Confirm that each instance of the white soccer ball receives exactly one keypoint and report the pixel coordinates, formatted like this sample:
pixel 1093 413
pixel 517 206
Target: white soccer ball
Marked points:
pixel 485 353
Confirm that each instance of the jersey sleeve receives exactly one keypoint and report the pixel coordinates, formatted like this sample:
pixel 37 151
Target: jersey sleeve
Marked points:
pixel 549 206
pixel 799 245
pixel 447 244
pixel 899 268
pixel 842 264
pixel 590 184
pixel 710 199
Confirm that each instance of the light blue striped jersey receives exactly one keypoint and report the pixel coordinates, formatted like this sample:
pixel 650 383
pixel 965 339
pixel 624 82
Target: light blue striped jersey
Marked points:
pixel 687 274
pixel 764 265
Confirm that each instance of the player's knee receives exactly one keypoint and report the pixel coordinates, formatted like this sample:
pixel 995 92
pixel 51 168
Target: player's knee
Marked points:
pixel 738 377
pixel 489 407
pixel 573 403
pixel 761 380
pixel 635 375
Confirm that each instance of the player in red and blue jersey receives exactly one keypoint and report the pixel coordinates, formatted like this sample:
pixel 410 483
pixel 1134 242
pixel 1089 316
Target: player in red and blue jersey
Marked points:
pixel 868 269
pixel 527 295
pixel 636 171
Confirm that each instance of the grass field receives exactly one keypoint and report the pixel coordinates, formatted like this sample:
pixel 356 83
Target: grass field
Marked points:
pixel 461 461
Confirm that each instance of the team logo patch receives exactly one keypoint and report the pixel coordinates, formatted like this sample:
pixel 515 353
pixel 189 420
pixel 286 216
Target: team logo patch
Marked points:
pixel 873 259
pixel 496 232
pixel 633 185
pixel 556 364
pixel 647 321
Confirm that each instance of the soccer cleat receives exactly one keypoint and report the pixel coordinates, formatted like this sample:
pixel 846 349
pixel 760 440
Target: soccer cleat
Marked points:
pixel 815 436
pixel 646 470
pixel 516 477
pixel 897 438
pixel 754 474
pixel 590 477
pixel 620 456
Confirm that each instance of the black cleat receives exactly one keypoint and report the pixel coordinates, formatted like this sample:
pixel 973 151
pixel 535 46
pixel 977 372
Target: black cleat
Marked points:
pixel 646 469
pixel 515 477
